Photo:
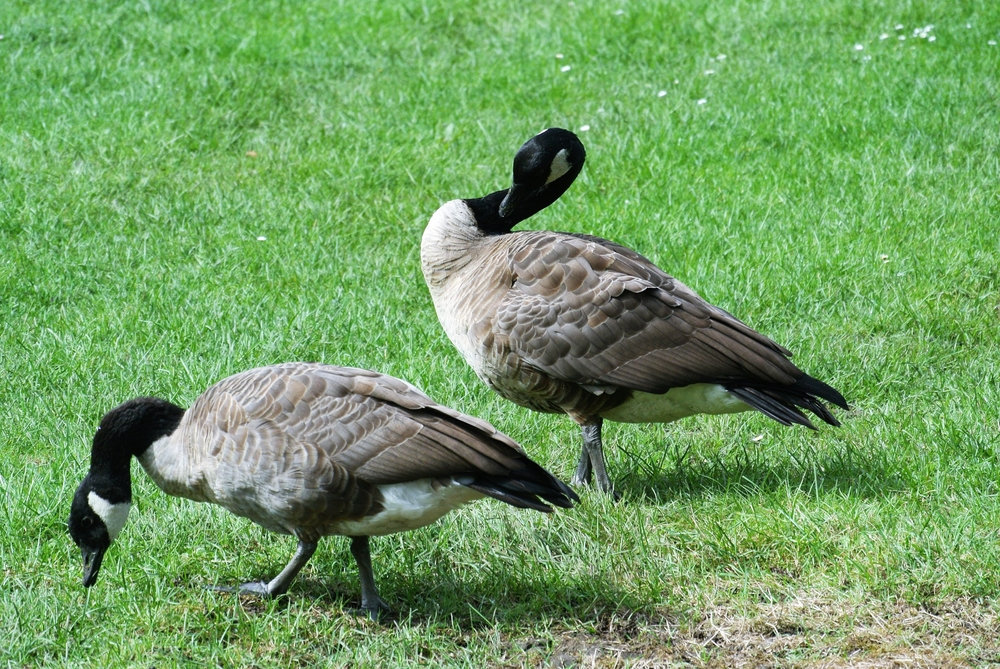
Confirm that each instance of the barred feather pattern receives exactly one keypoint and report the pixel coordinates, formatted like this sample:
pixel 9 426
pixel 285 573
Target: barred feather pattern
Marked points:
pixel 577 324
pixel 308 449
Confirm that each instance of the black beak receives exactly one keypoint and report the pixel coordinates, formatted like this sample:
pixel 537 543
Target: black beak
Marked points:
pixel 91 564
pixel 513 199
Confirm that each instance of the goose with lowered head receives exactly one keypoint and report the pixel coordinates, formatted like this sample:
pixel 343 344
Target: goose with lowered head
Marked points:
pixel 308 450
pixel 576 324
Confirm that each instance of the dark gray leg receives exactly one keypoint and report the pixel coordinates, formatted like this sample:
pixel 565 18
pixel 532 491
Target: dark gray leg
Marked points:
pixel 279 584
pixel 583 469
pixel 371 603
pixel 592 459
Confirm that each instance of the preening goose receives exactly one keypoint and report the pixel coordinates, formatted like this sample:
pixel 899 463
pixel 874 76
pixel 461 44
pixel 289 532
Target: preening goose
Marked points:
pixel 309 450
pixel 577 324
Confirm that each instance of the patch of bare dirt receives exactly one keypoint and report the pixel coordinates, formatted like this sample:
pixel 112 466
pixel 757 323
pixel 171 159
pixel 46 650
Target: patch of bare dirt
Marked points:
pixel 808 632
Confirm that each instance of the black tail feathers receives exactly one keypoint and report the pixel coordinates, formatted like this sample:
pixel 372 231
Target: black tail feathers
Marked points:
pixel 529 488
pixel 783 403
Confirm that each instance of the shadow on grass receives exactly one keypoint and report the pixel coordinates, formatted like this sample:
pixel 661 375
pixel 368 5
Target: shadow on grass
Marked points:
pixel 681 472
pixel 471 604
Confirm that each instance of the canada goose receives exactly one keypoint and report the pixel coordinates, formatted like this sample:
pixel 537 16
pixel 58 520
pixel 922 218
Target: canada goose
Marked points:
pixel 577 324
pixel 309 450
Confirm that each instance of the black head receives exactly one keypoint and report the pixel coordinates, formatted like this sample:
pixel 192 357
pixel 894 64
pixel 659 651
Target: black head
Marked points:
pixel 544 167
pixel 102 502
pixel 94 521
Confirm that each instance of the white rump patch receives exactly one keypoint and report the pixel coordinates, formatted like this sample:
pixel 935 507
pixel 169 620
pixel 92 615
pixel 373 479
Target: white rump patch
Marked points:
pixel 113 515
pixel 710 398
pixel 560 166
pixel 407 506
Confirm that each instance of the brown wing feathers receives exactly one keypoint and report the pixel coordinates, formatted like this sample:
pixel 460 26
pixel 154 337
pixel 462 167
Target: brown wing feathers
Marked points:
pixel 587 311
pixel 482 459
pixel 378 429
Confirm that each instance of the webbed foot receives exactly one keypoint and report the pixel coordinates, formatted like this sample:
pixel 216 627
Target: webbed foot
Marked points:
pixel 377 611
pixel 256 588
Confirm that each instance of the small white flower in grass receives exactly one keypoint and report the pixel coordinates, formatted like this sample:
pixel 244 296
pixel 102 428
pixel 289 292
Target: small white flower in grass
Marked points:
pixel 709 72
pixel 702 101
pixel 899 26
pixel 619 12
pixel 721 56
pixel 677 81
pixel 559 56
pixel 757 439
pixel 261 238
pixel 968 26
pixel 992 42
pixel 859 47
pixel 902 37
pixel 661 94
pixel 584 128
pixel 565 68
pixel 884 36
pixel 931 38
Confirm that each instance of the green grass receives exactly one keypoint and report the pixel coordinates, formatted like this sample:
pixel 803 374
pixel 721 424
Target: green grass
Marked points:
pixel 843 200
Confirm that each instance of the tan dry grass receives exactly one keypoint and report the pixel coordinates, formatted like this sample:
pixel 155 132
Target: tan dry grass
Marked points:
pixel 810 631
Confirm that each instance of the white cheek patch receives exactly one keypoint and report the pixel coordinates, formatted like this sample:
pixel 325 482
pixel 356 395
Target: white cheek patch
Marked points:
pixel 560 166
pixel 113 515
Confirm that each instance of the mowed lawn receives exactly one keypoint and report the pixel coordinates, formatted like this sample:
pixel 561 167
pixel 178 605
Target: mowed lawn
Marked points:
pixel 190 189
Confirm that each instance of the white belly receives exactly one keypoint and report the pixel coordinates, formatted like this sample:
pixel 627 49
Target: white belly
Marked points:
pixel 676 403
pixel 408 506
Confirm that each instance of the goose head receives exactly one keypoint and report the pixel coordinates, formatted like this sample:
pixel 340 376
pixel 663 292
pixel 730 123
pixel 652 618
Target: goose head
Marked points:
pixel 95 520
pixel 102 502
pixel 544 167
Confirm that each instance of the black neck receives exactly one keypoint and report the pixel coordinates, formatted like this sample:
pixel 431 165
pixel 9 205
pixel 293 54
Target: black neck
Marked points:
pixel 129 429
pixel 487 213
pixel 486 209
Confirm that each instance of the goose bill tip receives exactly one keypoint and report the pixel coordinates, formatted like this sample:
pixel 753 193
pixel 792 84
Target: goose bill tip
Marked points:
pixel 505 206
pixel 91 565
pixel 511 200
